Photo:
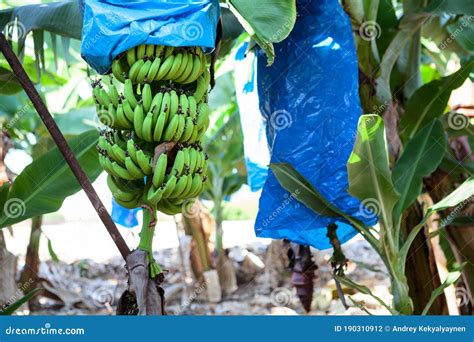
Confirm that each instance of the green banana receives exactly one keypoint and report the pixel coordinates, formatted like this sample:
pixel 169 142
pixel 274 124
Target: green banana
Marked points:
pixel 150 50
pixel 155 67
pixel 147 133
pixel 118 192
pixel 127 110
pixel 188 129
pixel 178 163
pixel 196 70
pixel 131 57
pixel 121 171
pixel 164 68
pixel 133 169
pixel 156 103
pixel 135 69
pixel 203 111
pixel 129 204
pixel 180 128
pixel 169 51
pixel 132 151
pixel 103 98
pixel 118 154
pixel 184 104
pixel 192 106
pixel 195 186
pixel 129 93
pixel 154 196
pixel 145 68
pixel 121 118
pixel 166 103
pixel 169 186
pixel 182 66
pixel 174 68
pixel 138 118
pixel 171 128
pixel 193 158
pixel 144 162
pixel 159 126
pixel 141 50
pixel 117 70
pixel 160 170
pixel 201 88
pixel 174 102
pixel 187 189
pixel 180 186
pixel 147 97
pixel 193 136
pixel 187 71
pixel 114 95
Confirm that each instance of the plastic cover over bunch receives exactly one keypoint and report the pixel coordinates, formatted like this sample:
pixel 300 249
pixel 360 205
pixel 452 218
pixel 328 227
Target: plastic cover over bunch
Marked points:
pixel 310 100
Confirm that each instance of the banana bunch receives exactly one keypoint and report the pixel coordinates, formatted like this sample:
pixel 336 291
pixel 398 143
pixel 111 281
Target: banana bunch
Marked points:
pixel 160 98
pixel 152 63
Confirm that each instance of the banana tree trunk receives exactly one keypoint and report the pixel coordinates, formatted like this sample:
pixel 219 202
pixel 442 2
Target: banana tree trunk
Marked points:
pixel 29 275
pixel 225 267
pixel 421 270
pixel 196 226
pixel 461 238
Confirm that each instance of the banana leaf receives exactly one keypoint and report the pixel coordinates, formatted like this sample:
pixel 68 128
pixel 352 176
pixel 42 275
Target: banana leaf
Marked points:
pixel 43 185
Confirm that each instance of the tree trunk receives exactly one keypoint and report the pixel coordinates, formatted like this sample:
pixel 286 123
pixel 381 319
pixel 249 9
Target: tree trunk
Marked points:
pixel 461 238
pixel 421 270
pixel 29 275
pixel 199 226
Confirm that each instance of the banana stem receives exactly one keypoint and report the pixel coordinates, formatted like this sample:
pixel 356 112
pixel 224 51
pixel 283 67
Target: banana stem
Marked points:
pixel 148 229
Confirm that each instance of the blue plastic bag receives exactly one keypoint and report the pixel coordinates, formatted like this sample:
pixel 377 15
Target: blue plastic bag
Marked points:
pixel 310 100
pixel 123 216
pixel 111 27
pixel 257 156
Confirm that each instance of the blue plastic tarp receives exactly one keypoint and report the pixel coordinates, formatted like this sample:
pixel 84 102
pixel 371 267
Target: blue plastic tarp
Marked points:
pixel 309 98
pixel 111 27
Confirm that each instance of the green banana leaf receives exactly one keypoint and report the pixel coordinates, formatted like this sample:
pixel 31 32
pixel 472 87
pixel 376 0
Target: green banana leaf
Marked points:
pixel 368 168
pixel 266 21
pixel 451 278
pixel 430 101
pixel 421 157
pixel 460 196
pixel 44 184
